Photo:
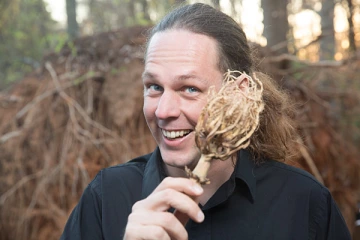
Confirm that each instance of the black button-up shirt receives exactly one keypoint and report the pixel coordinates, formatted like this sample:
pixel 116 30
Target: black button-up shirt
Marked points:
pixel 270 200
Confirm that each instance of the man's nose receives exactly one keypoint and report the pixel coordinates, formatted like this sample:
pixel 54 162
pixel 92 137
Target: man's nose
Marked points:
pixel 168 106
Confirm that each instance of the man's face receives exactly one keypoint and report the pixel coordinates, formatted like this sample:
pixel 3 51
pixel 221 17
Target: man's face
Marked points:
pixel 179 69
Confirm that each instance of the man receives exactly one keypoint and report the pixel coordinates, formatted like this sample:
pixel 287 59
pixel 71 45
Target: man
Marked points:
pixel 251 196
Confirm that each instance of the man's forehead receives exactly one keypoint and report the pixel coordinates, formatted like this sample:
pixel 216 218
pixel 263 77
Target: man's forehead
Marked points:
pixel 180 39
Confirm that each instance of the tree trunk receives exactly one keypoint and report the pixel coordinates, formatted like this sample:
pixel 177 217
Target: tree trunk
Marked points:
pixel 327 40
pixel 216 4
pixel 132 12
pixel 233 7
pixel 276 25
pixel 72 24
pixel 352 45
pixel 145 10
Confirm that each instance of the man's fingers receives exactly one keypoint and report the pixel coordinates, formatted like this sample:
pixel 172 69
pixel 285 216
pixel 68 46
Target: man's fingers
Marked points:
pixel 184 185
pixel 150 232
pixel 165 220
pixel 163 200
pixel 150 218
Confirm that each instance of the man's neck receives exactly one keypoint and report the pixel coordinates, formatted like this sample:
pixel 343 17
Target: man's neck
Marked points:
pixel 219 173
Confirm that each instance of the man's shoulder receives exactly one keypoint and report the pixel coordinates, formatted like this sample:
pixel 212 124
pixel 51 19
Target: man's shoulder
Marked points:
pixel 303 193
pixel 120 174
pixel 295 174
pixel 136 164
pixel 294 182
pixel 129 170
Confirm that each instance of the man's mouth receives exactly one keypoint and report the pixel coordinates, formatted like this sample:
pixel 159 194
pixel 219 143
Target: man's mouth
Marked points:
pixel 175 134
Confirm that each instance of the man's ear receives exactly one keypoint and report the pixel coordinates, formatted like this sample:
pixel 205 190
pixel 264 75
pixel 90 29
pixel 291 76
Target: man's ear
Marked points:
pixel 243 82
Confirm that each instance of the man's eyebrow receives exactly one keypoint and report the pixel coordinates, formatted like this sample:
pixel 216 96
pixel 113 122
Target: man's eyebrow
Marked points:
pixel 148 75
pixel 190 76
pixel 186 76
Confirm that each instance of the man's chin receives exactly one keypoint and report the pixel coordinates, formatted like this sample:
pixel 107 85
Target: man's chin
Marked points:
pixel 179 166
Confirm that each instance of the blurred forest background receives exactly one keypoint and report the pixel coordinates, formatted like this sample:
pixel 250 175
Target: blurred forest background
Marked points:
pixel 71 95
pixel 309 29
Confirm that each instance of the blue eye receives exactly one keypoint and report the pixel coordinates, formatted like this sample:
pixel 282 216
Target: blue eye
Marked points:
pixel 192 89
pixel 155 87
pixel 152 90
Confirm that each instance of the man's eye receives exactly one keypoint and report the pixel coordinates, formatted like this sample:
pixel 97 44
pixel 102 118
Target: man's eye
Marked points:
pixel 191 90
pixel 155 87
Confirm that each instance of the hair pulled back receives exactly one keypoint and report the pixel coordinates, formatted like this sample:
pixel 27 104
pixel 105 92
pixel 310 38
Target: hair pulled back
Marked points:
pixel 276 135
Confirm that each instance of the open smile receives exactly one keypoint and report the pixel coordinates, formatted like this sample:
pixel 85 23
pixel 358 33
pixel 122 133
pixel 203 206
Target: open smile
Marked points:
pixel 173 134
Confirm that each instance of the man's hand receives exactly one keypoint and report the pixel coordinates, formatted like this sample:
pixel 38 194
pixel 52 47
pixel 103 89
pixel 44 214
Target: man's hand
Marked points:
pixel 150 218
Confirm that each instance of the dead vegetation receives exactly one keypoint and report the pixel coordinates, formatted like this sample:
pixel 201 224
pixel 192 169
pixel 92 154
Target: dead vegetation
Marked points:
pixel 227 121
pixel 82 111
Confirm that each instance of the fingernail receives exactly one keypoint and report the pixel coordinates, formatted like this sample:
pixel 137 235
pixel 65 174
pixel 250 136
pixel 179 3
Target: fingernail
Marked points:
pixel 197 189
pixel 200 216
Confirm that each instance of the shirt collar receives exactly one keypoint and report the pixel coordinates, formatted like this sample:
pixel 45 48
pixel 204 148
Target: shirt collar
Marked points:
pixel 244 170
pixel 153 173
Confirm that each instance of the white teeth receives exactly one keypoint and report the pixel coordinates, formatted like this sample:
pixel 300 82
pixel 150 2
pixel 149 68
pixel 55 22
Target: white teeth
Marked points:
pixel 174 134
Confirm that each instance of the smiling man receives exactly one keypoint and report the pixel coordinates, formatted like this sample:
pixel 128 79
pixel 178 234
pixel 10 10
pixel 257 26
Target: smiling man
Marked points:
pixel 177 77
pixel 251 196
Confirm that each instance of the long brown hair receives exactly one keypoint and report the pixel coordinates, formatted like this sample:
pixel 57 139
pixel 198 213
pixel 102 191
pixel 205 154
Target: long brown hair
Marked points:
pixel 276 136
